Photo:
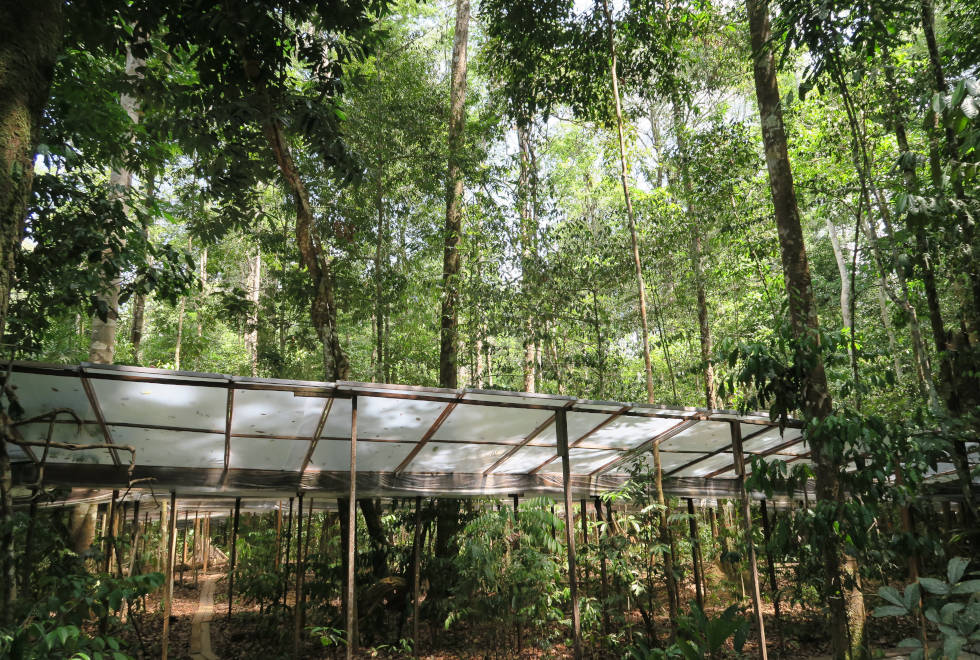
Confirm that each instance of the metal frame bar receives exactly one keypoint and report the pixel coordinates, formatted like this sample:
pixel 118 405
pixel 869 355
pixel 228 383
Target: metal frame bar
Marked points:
pixel 93 401
pixel 594 429
pixel 424 440
pixel 523 443
pixel 316 437
pixel 561 432
pixel 747 524
pixel 639 449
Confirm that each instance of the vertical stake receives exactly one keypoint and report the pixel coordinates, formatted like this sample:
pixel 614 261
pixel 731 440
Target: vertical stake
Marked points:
pixel 168 587
pixel 183 550
pixel 234 553
pixel 772 569
pixel 298 611
pixel 561 429
pixel 352 530
pixel 695 552
pixel 747 523
pixel 416 562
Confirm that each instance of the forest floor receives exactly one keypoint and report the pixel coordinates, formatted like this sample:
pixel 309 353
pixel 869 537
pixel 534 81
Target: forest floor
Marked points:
pixel 249 633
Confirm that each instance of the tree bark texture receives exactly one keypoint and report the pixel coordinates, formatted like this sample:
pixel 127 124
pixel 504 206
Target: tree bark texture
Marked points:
pixel 526 204
pixel 449 318
pixel 846 636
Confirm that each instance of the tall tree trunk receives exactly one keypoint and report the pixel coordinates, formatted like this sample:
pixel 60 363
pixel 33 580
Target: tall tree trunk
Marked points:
pixel 180 332
pixel 202 274
pixel 449 323
pixel 673 593
pixel 527 209
pixel 102 348
pixel 847 636
pixel 697 255
pixel 380 266
pixel 252 332
pixel 315 258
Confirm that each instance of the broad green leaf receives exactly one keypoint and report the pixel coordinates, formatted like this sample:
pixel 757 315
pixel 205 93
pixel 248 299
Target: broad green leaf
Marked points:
pixel 890 610
pixel 891 595
pixel 957 565
pixel 934 586
pixel 966 587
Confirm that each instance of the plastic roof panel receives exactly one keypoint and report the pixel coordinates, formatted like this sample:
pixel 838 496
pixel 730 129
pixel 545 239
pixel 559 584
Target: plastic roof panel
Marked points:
pixel 453 457
pixel 703 436
pixel 162 404
pixel 708 465
pixel 626 432
pixel 86 434
pixel 489 424
pixel 583 461
pixel 393 419
pixel 47 392
pixel 270 412
pixel 180 449
pixel 334 455
pixel 579 423
pixel 526 459
pixel 273 454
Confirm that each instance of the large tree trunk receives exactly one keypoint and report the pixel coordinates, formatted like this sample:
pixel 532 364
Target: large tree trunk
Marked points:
pixel 846 641
pixel 673 593
pixel 30 40
pixel 449 324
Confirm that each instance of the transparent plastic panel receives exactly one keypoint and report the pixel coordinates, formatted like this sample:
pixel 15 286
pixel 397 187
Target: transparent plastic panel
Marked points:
pixel 490 424
pixel 395 419
pixel 626 432
pixel 86 434
pixel 187 406
pixel 578 425
pixel 767 440
pixel 582 461
pixel 702 436
pixel 334 455
pixel 39 394
pixel 338 421
pixel 708 465
pixel 526 459
pixel 274 412
pixel 668 461
pixel 267 453
pixel 452 457
pixel 171 448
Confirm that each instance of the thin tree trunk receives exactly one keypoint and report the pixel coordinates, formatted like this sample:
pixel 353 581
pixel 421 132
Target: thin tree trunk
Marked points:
pixel 449 324
pixel 527 233
pixel 380 265
pixel 887 324
pixel 180 332
pixel 252 331
pixel 697 256
pixel 202 273
pixel 673 594
pixel 846 640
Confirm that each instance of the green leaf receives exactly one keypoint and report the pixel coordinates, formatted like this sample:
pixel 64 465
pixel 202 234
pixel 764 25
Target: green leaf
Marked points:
pixel 959 94
pixel 890 610
pixel 910 643
pixel 934 586
pixel 966 587
pixel 957 565
pixel 891 595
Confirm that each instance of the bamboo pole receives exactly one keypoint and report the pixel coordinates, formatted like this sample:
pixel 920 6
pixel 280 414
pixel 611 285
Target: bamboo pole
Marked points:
pixel 168 587
pixel 561 429
pixel 183 551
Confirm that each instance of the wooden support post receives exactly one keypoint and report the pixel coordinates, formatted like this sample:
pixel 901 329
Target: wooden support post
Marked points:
pixel 206 542
pixel 352 532
pixel 234 554
pixel 603 583
pixel 298 610
pixel 183 550
pixel 561 429
pixel 278 533
pixel 134 539
pixel 747 523
pixel 584 515
pixel 196 544
pixel 109 531
pixel 695 552
pixel 416 579
pixel 168 587
pixel 516 497
pixel 771 567
pixel 285 559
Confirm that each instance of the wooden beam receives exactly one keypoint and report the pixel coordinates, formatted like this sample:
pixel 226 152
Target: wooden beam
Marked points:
pixel 561 430
pixel 727 447
pixel 747 524
pixel 316 436
pixel 168 587
pixel 528 438
pixel 352 527
pixel 772 450
pixel 99 417
pixel 428 434
pixel 655 440
pixel 591 431
pixel 229 412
